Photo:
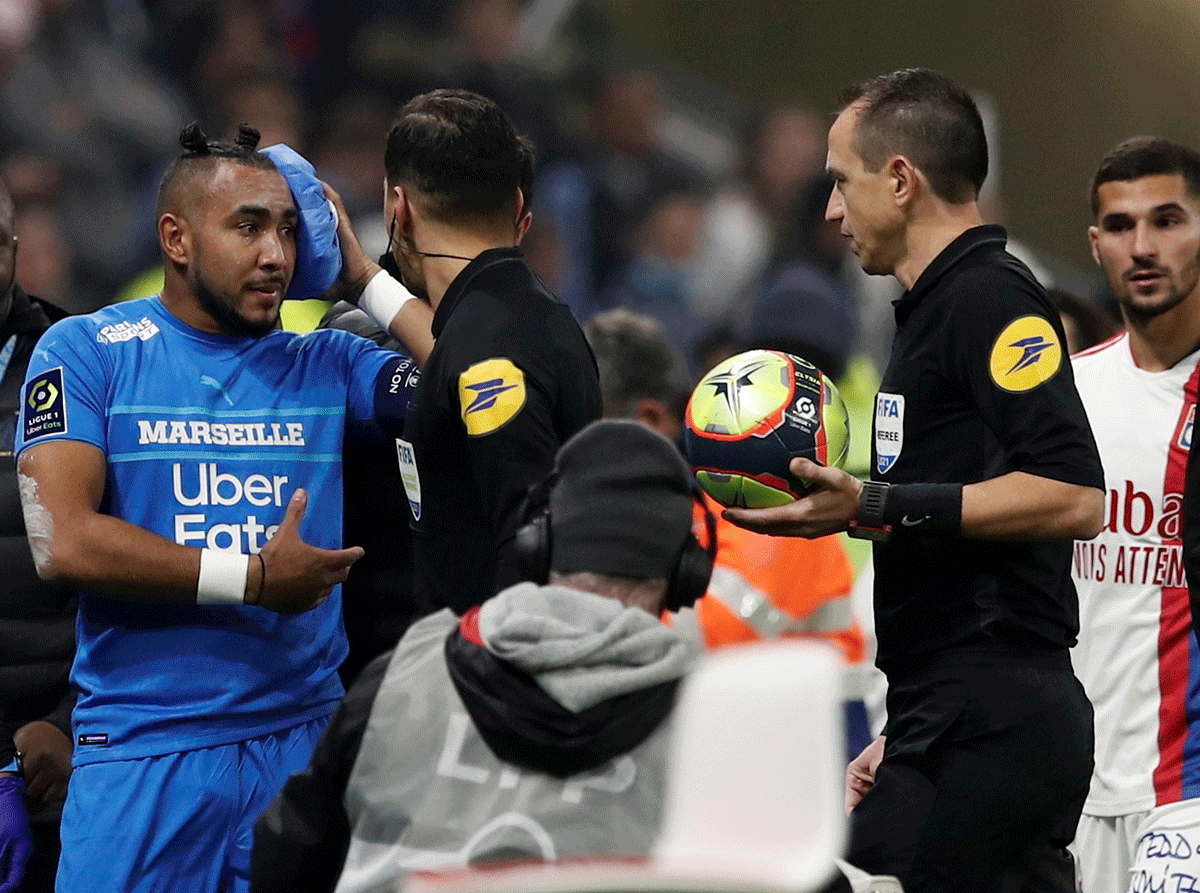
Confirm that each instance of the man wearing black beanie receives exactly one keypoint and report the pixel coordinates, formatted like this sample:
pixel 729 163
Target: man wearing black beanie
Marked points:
pixel 534 726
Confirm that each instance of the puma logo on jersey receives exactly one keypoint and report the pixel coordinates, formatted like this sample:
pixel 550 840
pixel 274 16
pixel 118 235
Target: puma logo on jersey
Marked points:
pixel 217 386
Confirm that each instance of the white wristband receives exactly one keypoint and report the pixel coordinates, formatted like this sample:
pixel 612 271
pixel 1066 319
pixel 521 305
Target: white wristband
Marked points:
pixel 383 297
pixel 222 578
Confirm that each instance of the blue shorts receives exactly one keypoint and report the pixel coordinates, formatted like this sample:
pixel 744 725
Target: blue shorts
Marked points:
pixel 181 821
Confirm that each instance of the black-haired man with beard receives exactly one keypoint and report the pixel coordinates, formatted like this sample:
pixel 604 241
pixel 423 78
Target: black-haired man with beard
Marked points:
pixel 1136 646
pixel 167 449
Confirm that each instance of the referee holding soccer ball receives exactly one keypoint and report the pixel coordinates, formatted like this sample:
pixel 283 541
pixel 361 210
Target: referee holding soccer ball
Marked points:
pixel 984 470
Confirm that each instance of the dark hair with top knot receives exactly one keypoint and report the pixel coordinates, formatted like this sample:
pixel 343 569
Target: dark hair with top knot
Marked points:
pixel 461 156
pixel 201 155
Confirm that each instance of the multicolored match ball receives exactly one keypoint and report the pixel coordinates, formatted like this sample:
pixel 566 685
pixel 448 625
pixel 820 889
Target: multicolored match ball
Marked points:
pixel 751 415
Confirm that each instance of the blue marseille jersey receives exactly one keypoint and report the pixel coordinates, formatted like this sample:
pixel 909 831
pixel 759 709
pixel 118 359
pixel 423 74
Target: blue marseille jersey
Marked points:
pixel 207 437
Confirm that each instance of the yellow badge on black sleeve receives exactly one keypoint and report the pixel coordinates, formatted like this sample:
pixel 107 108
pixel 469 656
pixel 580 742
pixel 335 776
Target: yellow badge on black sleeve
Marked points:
pixel 1026 354
pixel 490 394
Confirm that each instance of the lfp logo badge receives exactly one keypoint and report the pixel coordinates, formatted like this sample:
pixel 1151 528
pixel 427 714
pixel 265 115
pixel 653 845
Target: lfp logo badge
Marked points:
pixel 1026 354
pixel 44 410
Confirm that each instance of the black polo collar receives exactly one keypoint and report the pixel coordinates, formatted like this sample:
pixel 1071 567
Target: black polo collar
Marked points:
pixel 977 237
pixel 458 287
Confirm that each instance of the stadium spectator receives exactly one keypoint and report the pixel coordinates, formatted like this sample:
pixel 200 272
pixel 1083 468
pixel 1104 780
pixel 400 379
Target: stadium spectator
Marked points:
pixel 345 149
pixel 37 619
pixel 511 376
pixel 1135 633
pixel 985 470
pixel 74 102
pixel 481 56
pixel 534 727
pixel 46 265
pixel 657 282
pixel 266 96
pixel 595 199
pixel 749 217
pixel 167 449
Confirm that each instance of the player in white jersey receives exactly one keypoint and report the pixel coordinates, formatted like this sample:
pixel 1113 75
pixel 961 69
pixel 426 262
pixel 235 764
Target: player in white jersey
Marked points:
pixel 1136 655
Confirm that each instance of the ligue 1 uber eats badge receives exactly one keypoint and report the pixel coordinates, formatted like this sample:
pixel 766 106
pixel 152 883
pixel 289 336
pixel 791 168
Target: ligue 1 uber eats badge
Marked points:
pixel 45 412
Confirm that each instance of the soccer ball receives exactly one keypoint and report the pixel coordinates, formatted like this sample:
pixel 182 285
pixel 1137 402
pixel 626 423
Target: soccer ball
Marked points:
pixel 751 415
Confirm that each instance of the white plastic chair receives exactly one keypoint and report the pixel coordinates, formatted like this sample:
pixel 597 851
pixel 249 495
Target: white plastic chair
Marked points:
pixel 755 788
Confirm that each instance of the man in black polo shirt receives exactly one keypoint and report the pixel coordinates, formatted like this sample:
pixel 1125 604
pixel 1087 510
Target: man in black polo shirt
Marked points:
pixel 984 469
pixel 511 376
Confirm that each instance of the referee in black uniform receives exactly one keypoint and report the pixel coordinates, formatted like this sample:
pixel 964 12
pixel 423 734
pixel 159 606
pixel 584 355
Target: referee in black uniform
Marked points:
pixel 984 470
pixel 511 376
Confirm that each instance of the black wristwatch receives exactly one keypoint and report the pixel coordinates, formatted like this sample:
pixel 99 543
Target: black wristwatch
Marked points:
pixel 869 524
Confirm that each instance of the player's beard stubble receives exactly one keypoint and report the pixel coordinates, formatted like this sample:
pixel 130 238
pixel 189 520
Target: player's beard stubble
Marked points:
pixel 223 311
pixel 1182 285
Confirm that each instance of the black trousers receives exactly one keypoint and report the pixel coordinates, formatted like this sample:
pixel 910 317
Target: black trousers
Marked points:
pixel 43 861
pixel 981 786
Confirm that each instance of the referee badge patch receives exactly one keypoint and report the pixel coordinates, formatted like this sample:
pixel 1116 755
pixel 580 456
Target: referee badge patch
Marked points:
pixel 406 457
pixel 44 411
pixel 889 430
pixel 490 395
pixel 1026 354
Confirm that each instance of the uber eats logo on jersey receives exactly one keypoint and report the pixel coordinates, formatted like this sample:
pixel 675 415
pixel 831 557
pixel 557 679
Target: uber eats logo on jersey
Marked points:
pixel 490 394
pixel 1026 354
pixel 207 486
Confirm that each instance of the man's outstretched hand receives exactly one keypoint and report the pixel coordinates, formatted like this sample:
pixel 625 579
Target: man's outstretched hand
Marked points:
pixel 297 577
pixel 829 507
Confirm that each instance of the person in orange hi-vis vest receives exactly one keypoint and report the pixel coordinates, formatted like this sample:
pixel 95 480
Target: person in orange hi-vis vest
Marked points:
pixel 765 587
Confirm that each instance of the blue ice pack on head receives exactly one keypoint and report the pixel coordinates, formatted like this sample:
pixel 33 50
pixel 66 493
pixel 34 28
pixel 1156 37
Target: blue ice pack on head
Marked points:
pixel 318 252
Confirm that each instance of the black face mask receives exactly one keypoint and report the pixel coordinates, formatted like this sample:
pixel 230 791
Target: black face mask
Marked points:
pixel 388 262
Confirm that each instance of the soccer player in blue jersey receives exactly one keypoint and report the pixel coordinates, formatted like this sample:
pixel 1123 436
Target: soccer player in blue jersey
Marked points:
pixel 180 463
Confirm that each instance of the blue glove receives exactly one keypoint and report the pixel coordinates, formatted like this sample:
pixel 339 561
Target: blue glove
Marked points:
pixel 318 252
pixel 16 842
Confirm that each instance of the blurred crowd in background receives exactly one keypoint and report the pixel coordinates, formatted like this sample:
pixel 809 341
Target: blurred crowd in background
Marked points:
pixel 655 192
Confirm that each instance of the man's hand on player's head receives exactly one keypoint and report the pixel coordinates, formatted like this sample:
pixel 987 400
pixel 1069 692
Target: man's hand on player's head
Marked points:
pixel 357 268
pixel 292 576
pixel 828 508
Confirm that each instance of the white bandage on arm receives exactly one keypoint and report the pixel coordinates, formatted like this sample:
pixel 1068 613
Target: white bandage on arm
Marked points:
pixel 222 578
pixel 383 297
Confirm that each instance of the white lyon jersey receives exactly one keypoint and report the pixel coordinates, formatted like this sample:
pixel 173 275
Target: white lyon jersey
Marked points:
pixel 1136 655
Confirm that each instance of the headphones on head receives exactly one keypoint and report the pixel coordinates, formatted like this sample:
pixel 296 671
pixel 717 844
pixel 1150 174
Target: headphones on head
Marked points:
pixel 689 575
